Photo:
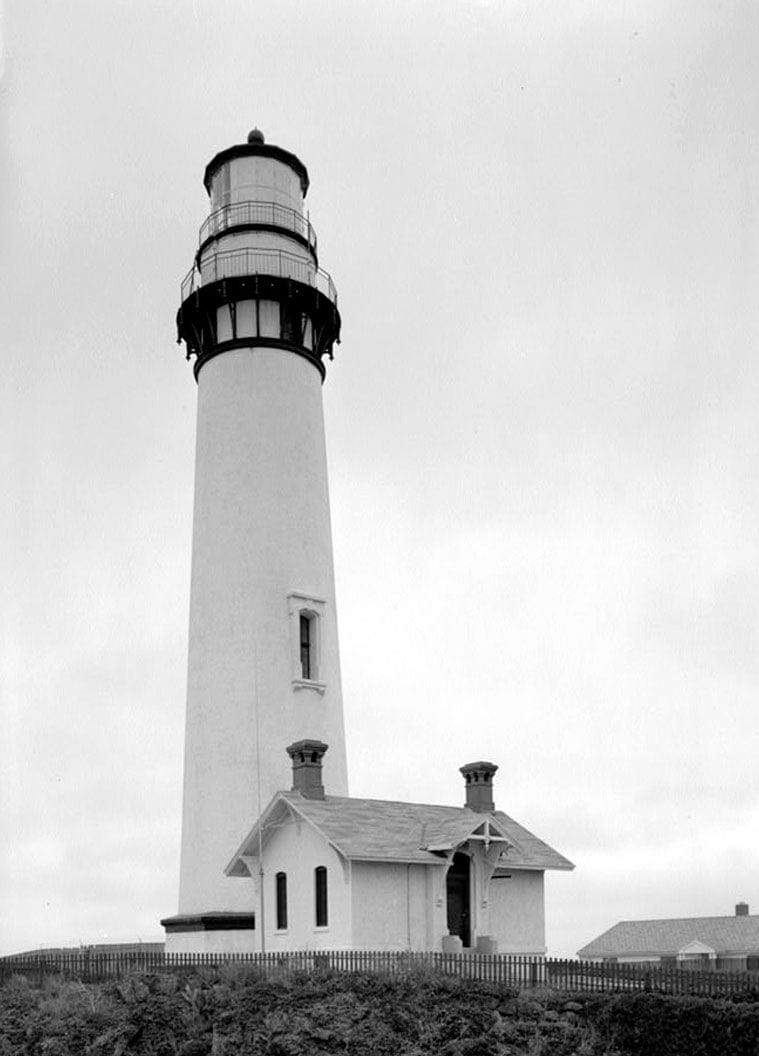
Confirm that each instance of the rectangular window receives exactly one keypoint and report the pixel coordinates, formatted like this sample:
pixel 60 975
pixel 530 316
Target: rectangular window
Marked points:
pixel 320 884
pixel 306 658
pixel 306 620
pixel 281 886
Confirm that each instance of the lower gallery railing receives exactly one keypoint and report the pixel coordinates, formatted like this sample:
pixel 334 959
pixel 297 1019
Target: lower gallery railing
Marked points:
pixel 504 969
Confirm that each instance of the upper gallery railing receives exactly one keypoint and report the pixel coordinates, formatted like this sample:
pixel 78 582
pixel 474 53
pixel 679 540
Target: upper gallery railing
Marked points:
pixel 255 213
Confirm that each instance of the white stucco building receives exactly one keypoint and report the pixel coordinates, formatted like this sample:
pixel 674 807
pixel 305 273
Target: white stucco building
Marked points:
pixel 335 872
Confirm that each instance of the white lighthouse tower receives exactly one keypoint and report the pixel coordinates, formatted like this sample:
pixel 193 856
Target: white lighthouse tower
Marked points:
pixel 258 316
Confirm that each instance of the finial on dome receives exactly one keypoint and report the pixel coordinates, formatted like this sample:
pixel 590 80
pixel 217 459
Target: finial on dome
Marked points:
pixel 256 136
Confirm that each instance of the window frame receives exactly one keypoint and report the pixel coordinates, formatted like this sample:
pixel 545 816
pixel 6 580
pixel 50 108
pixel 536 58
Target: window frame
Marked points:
pixel 321 897
pixel 280 900
pixel 305 607
pixel 307 638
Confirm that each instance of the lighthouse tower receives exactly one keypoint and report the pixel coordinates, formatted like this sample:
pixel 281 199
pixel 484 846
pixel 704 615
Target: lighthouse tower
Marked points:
pixel 258 317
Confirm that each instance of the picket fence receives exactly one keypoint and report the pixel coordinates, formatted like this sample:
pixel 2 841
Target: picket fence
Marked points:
pixel 512 971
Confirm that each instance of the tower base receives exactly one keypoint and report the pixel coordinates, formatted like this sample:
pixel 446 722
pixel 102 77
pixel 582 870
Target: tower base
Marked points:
pixel 215 932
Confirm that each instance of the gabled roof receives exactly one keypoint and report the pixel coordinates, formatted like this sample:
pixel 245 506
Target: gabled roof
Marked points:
pixel 378 830
pixel 667 938
pixel 698 948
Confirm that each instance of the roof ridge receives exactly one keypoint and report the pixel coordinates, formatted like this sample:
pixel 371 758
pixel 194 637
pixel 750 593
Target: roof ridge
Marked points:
pixel 682 920
pixel 397 802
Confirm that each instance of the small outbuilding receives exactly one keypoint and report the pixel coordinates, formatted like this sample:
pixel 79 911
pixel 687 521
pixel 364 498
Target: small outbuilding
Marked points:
pixel 336 872
pixel 720 943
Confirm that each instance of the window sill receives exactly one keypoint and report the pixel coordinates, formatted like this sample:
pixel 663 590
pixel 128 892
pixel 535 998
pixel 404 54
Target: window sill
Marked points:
pixel 309 683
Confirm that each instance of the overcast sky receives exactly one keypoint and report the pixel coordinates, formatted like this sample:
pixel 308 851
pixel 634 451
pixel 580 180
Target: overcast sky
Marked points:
pixel 541 422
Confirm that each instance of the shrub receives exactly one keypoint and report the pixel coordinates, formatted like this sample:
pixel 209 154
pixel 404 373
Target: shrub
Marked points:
pixel 641 1024
pixel 238 1011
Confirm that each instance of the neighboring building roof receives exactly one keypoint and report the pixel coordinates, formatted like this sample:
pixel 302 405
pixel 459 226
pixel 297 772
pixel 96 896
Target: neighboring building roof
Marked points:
pixel 377 830
pixel 667 938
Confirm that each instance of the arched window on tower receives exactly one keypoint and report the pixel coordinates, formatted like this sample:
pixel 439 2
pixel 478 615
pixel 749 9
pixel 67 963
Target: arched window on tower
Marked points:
pixel 281 892
pixel 320 892
pixel 306 624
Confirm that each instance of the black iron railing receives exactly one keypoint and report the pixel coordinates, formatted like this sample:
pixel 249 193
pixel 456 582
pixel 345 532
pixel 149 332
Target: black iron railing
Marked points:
pixel 272 214
pixel 236 263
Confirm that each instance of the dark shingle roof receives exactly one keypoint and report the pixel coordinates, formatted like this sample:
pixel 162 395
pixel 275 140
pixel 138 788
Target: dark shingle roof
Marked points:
pixel 386 830
pixel 737 935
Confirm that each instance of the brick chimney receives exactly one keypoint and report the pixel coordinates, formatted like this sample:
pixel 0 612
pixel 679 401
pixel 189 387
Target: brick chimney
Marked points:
pixel 741 909
pixel 307 767
pixel 479 786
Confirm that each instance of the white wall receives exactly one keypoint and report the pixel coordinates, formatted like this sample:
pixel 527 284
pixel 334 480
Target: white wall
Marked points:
pixel 261 531
pixel 391 909
pixel 516 910
pixel 234 941
pixel 266 241
pixel 295 849
pixel 397 907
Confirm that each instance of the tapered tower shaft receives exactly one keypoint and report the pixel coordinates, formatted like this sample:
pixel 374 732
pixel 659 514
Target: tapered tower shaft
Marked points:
pixel 257 316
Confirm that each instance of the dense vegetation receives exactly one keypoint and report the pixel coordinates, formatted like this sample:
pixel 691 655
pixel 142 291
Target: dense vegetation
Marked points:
pixel 234 1010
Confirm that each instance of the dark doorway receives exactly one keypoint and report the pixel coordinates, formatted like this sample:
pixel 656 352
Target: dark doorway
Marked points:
pixel 457 891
